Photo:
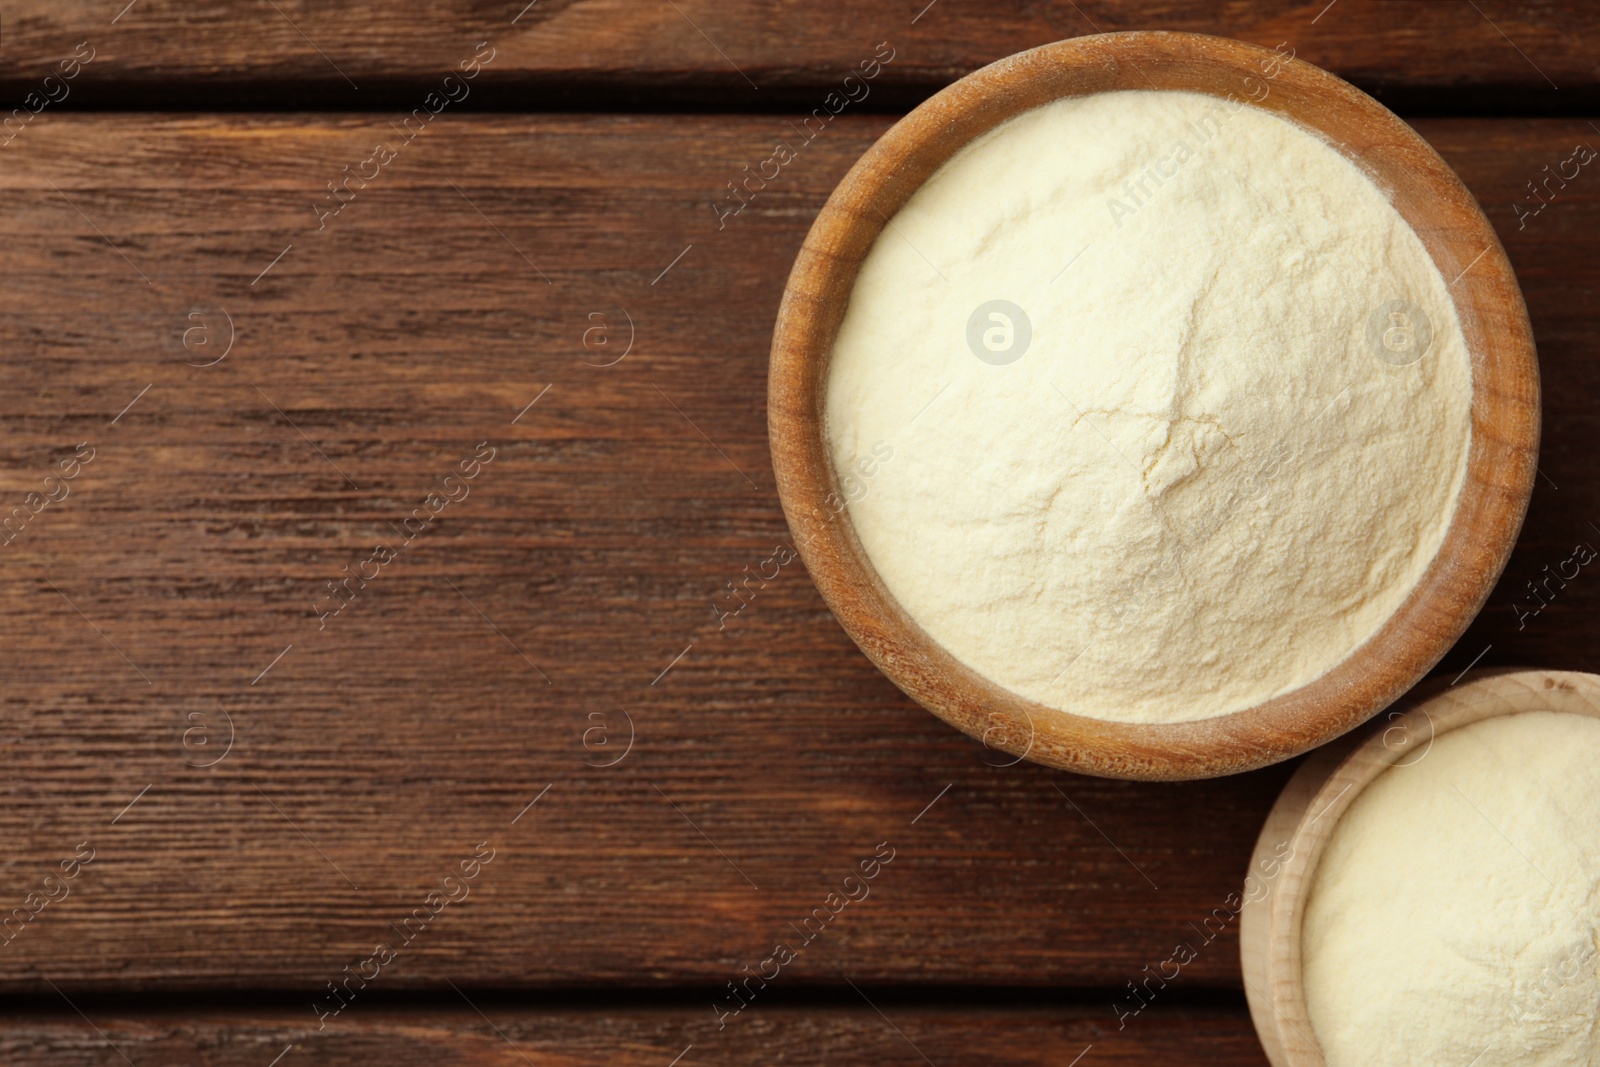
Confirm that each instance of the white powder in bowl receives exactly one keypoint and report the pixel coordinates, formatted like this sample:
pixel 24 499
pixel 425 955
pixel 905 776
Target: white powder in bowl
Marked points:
pixel 1453 916
pixel 1178 403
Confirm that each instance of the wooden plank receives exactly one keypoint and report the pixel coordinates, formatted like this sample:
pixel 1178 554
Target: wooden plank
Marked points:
pixel 182 576
pixel 491 1032
pixel 751 55
pixel 1551 235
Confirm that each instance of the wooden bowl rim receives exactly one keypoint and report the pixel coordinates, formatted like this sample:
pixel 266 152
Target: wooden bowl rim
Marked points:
pixel 1328 786
pixel 1483 529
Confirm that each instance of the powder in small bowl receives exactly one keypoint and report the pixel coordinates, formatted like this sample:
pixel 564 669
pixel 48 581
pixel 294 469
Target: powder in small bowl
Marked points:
pixel 1454 915
pixel 1178 404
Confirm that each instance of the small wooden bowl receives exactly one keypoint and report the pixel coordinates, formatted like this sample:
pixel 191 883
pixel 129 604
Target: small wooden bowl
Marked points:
pixel 1302 821
pixel 1505 411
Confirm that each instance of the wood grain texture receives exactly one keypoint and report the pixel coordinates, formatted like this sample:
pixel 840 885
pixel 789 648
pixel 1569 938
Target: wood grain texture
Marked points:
pixel 598 539
pixel 455 1034
pixel 1306 814
pixel 1361 681
pixel 751 55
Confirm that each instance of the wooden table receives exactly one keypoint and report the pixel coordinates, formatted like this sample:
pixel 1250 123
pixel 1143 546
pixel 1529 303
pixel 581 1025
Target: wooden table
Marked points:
pixel 516 386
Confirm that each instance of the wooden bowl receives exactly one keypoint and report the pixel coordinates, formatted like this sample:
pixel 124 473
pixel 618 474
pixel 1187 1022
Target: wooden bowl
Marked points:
pixel 1505 410
pixel 1321 791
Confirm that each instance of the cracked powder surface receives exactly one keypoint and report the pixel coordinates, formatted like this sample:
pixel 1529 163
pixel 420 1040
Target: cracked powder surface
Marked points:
pixel 1231 446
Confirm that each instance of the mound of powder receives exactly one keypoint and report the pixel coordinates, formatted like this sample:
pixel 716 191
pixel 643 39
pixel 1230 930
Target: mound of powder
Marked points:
pixel 1178 404
pixel 1453 917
